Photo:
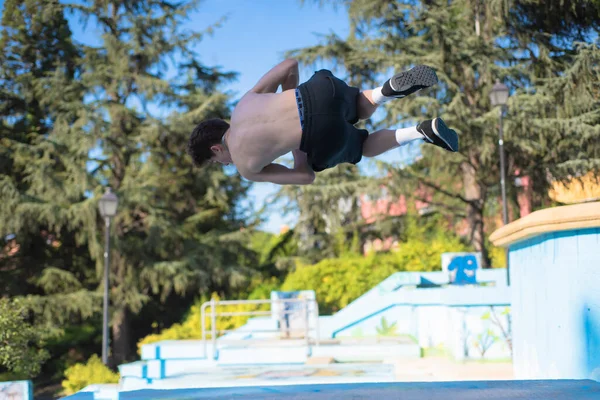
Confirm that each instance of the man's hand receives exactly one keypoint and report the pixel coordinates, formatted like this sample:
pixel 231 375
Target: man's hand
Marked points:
pixel 284 74
pixel 293 78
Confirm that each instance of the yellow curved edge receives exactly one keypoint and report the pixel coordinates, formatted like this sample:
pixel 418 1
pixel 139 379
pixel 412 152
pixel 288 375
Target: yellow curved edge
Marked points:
pixel 577 216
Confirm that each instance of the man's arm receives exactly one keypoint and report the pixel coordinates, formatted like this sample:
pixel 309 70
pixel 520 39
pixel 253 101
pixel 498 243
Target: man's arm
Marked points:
pixel 282 175
pixel 284 74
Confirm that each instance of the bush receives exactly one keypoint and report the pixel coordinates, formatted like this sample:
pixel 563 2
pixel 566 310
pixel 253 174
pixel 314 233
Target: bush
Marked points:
pixel 21 344
pixel 339 281
pixel 497 257
pixel 80 375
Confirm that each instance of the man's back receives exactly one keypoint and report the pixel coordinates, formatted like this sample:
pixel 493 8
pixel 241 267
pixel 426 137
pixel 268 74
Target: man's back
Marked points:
pixel 264 126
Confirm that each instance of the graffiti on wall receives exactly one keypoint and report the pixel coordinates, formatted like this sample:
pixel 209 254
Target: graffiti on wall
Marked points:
pixel 17 390
pixel 461 267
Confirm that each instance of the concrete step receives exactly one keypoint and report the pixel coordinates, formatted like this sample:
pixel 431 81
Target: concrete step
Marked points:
pixel 263 355
pixel 368 352
pixel 136 369
pixel 282 355
pixel 127 383
pixel 160 369
pixel 176 349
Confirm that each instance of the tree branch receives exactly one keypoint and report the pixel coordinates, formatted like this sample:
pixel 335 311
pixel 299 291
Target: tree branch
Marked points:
pixel 457 211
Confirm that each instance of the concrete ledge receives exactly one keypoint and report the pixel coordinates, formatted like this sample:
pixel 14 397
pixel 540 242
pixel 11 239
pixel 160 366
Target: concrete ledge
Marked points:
pixel 497 390
pixel 554 219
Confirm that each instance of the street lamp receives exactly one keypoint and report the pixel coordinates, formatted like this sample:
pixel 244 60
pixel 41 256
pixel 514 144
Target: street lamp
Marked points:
pixel 108 209
pixel 499 97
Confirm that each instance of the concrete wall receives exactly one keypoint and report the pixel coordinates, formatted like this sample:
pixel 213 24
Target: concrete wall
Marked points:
pixel 467 329
pixel 391 291
pixel 555 281
pixel 554 257
pixel 16 390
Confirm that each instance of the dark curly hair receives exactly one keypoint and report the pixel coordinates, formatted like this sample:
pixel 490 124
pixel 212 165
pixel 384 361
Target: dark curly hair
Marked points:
pixel 206 134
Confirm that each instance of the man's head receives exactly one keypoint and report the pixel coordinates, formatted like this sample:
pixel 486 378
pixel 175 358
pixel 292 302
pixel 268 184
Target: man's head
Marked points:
pixel 206 143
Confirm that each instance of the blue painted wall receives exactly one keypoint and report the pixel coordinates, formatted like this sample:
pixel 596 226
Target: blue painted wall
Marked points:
pixel 469 322
pixel 555 282
pixel 389 293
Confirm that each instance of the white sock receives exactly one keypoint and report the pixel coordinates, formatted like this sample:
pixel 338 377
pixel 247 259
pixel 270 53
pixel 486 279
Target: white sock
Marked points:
pixel 407 135
pixel 378 97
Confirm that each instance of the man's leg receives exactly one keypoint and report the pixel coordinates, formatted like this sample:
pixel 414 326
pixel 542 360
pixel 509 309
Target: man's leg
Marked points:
pixel 366 105
pixel 432 131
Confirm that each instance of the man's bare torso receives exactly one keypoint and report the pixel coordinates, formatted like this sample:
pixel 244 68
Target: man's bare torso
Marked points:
pixel 264 126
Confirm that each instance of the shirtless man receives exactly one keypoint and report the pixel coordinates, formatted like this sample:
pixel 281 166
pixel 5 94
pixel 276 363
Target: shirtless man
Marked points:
pixel 315 121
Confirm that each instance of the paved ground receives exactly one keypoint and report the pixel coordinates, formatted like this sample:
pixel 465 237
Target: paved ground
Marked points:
pixel 496 390
pixel 424 379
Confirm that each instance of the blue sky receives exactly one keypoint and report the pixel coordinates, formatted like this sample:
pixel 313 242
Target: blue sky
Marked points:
pixel 253 39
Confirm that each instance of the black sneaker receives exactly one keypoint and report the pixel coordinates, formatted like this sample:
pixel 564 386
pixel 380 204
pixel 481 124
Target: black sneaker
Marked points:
pixel 436 132
pixel 408 82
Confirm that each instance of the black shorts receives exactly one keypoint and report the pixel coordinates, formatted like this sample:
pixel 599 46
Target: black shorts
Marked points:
pixel 330 111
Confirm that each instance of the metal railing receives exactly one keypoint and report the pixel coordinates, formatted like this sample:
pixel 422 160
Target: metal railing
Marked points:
pixel 214 332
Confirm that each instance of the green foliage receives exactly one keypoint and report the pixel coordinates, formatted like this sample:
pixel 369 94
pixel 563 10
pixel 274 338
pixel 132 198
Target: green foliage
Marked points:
pixel 385 329
pixel 530 45
pixel 21 344
pixel 561 113
pixel 275 253
pixel 79 376
pixel 329 211
pixel 42 165
pixel 497 257
pixel 77 343
pixel 178 230
pixel 339 281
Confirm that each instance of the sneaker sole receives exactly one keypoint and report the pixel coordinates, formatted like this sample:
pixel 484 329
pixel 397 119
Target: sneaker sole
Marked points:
pixel 445 134
pixel 413 80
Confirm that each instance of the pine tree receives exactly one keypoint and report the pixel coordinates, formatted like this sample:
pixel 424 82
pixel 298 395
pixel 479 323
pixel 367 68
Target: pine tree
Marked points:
pixel 42 175
pixel 557 114
pixel 559 120
pixel 470 43
pixel 170 232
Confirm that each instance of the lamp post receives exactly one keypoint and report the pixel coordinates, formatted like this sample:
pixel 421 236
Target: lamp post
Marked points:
pixel 499 97
pixel 108 208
